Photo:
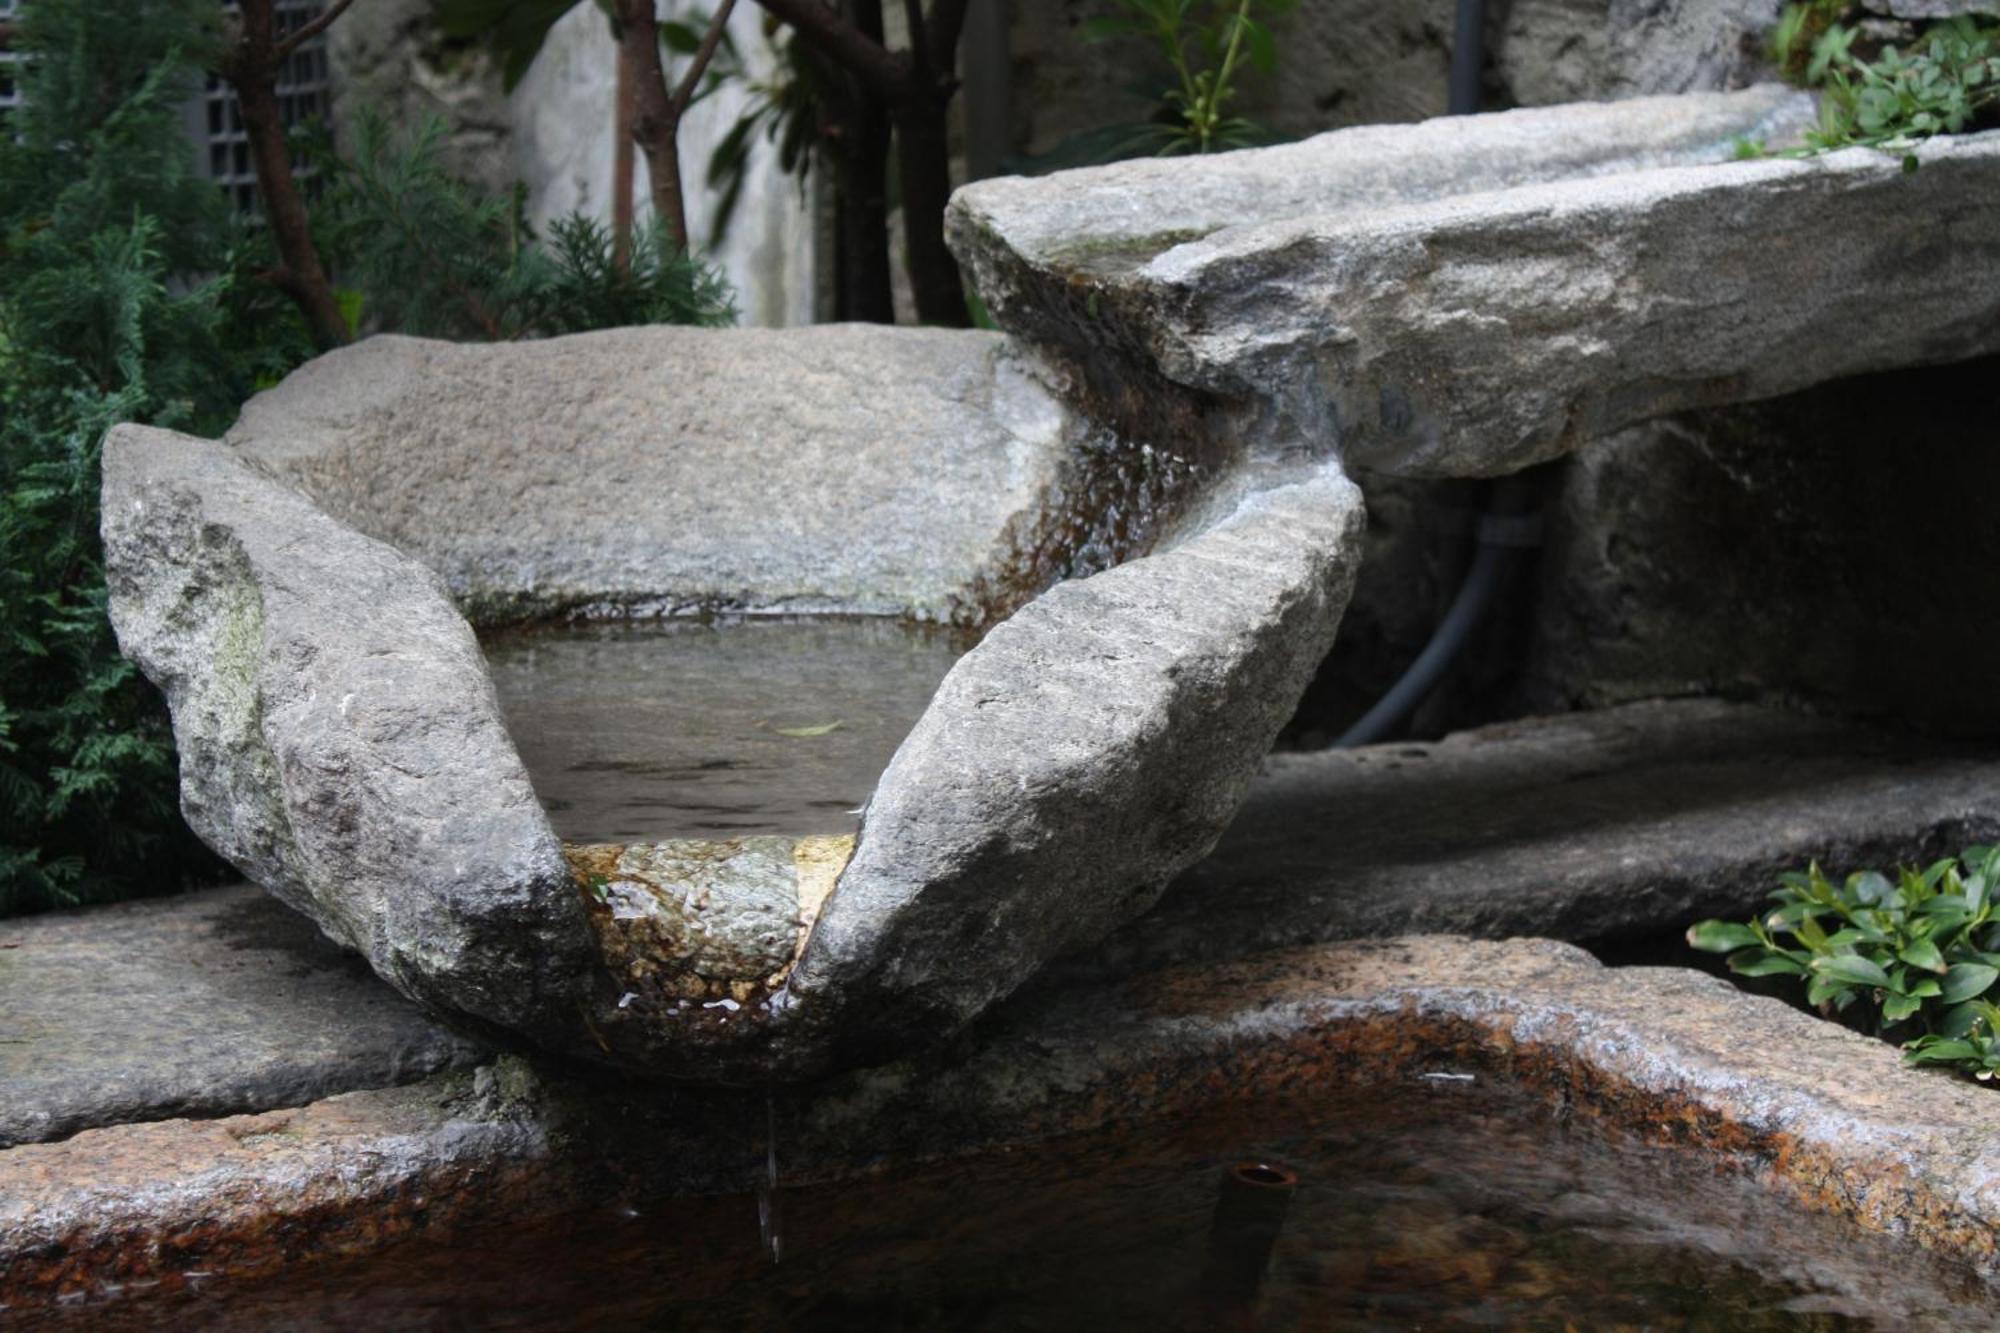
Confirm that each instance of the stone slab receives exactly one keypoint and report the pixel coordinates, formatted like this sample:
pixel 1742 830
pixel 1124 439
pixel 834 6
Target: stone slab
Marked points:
pixel 1619 823
pixel 1472 324
pixel 340 742
pixel 1821 1116
pixel 212 1003
pixel 838 468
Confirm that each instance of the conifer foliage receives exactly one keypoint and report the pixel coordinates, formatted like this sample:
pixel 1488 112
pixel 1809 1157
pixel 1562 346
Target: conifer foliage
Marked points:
pixel 103 229
pixel 129 292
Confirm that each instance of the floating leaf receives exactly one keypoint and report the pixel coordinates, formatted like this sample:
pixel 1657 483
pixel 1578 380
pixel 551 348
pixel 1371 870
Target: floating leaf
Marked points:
pixel 806 733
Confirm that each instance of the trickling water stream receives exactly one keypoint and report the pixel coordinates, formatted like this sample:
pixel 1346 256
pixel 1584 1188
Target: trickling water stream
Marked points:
pixel 685 729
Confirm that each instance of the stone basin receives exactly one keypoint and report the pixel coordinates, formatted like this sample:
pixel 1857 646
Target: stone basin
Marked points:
pixel 305 592
pixel 407 1197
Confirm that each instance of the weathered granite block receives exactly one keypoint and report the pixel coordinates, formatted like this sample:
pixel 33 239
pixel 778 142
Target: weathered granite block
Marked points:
pixel 339 740
pixel 844 468
pixel 1532 280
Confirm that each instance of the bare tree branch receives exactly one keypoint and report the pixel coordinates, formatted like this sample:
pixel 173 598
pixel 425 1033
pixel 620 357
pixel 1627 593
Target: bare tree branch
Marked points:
pixel 706 52
pixel 305 32
pixel 844 43
pixel 251 64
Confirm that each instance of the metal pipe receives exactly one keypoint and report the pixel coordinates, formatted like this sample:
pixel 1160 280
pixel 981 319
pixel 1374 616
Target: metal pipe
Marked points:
pixel 1249 1215
pixel 1468 58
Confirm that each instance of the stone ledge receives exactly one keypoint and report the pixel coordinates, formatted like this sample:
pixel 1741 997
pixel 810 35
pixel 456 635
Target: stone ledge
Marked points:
pixel 208 1004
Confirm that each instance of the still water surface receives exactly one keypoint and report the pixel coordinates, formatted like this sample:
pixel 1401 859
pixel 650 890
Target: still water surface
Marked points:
pixel 1422 1206
pixel 680 729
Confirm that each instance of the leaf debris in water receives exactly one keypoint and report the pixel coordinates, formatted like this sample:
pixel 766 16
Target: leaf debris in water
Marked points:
pixel 806 733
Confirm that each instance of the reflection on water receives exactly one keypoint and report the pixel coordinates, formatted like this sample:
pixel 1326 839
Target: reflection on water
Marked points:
pixel 679 729
pixel 1433 1206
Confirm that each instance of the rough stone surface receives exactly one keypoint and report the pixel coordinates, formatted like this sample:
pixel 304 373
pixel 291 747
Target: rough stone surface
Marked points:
pixel 207 1004
pixel 1822 1116
pixel 1762 552
pixel 139 1213
pixel 1479 332
pixel 1931 9
pixel 1628 822
pixel 1483 335
pixel 339 739
pixel 1117 217
pixel 838 468
pixel 1550 51
pixel 1090 747
pixel 388 58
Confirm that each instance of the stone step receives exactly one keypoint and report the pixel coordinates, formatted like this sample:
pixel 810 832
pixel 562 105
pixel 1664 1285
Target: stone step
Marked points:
pixel 212 1003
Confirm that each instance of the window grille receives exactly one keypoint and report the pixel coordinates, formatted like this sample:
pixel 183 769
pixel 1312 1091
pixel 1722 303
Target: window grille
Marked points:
pixel 10 92
pixel 303 95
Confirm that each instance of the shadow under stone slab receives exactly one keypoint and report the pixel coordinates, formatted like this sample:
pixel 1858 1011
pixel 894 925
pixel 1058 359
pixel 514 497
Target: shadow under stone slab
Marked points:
pixel 1610 824
pixel 208 1004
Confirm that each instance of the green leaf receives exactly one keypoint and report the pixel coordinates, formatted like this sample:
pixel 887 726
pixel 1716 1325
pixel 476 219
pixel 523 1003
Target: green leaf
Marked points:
pixel 1960 1020
pixel 1966 980
pixel 1761 962
pixel 1896 1008
pixel 1851 969
pixel 1925 1051
pixel 1722 936
pixel 1923 954
pixel 807 733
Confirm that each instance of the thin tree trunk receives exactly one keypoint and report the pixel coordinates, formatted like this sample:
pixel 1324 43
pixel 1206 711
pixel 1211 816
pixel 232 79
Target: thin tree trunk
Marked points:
pixel 623 166
pixel 861 158
pixel 923 162
pixel 866 286
pixel 656 124
pixel 916 86
pixel 251 66
pixel 655 127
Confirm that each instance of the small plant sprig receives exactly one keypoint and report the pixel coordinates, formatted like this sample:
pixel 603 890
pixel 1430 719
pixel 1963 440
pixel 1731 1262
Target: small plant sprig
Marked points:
pixel 1920 952
pixel 1207 45
pixel 1949 81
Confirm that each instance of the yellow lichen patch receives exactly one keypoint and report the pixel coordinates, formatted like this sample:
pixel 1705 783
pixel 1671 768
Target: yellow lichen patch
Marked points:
pixel 819 859
pixel 593 863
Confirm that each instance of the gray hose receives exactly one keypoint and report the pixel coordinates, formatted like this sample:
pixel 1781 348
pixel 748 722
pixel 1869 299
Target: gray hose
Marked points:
pixel 1501 535
pixel 1496 540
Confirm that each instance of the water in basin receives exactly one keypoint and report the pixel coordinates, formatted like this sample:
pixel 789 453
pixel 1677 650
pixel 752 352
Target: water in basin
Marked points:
pixel 1434 1206
pixel 681 729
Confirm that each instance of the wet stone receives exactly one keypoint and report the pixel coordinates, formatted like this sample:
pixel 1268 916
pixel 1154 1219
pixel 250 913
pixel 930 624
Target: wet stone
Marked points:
pixel 708 921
